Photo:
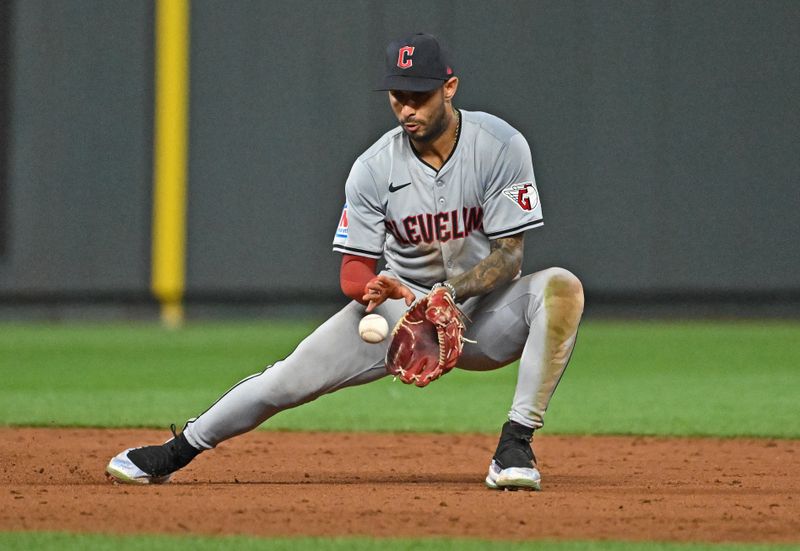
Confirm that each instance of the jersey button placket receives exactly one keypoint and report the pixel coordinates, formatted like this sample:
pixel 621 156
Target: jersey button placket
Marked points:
pixel 448 264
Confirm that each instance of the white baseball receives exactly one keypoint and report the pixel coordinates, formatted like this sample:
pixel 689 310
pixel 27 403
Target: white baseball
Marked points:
pixel 373 328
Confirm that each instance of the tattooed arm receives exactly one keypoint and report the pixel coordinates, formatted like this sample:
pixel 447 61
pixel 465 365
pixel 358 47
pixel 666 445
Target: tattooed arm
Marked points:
pixel 501 266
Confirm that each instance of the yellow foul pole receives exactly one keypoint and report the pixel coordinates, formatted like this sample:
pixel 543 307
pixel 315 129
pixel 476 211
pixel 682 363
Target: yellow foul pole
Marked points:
pixel 170 158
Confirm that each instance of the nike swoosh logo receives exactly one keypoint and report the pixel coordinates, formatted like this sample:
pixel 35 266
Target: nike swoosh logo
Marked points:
pixel 393 188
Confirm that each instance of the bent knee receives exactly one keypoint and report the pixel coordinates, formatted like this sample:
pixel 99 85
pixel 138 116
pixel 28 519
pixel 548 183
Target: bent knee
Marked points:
pixel 564 287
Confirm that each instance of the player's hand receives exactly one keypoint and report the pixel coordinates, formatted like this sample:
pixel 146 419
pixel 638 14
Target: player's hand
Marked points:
pixel 382 287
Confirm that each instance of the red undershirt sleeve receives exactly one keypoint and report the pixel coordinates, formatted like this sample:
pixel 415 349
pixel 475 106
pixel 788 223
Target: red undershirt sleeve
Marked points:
pixel 354 274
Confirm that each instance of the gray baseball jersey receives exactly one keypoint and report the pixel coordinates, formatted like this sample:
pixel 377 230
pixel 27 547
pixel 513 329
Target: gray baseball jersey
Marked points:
pixel 430 225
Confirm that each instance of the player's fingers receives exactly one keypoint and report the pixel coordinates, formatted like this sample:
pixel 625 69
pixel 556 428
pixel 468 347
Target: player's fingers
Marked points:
pixel 376 286
pixel 374 302
pixel 372 295
pixel 408 295
pixel 388 283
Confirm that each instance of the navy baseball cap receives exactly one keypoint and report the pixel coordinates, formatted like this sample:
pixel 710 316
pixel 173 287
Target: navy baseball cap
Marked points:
pixel 417 63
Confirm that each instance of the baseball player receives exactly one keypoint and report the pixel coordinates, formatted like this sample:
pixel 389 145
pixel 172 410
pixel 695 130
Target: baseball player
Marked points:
pixel 445 198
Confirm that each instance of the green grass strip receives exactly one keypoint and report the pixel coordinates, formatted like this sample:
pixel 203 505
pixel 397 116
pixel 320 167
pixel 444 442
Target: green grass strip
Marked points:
pixel 651 378
pixel 59 541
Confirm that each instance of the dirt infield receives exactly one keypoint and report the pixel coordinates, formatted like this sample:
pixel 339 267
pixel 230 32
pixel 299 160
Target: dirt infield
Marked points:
pixel 269 484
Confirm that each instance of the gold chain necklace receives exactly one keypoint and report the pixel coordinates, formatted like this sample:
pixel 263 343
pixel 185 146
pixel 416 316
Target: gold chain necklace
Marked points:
pixel 458 127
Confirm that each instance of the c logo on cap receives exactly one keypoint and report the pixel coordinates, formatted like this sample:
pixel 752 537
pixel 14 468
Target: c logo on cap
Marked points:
pixel 404 60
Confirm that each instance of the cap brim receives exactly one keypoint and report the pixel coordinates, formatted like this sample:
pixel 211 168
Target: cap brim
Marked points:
pixel 410 84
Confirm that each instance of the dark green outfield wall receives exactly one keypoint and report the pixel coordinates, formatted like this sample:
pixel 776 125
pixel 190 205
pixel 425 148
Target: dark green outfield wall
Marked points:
pixel 79 148
pixel 5 107
pixel 665 138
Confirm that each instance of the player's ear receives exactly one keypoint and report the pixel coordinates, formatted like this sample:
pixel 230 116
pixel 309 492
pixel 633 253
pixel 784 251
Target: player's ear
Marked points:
pixel 450 87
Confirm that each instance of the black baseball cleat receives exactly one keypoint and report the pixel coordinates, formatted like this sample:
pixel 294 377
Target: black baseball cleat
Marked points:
pixel 513 466
pixel 152 464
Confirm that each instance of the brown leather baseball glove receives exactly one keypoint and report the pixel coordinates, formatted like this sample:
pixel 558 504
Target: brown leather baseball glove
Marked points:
pixel 428 339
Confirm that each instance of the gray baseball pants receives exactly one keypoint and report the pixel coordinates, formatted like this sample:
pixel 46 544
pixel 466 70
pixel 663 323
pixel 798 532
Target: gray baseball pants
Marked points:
pixel 533 319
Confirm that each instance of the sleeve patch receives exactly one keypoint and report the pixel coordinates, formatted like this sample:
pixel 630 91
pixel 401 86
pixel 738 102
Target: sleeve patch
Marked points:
pixel 341 231
pixel 524 195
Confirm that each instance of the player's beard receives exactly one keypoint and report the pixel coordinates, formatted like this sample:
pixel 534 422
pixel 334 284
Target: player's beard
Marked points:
pixel 434 128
